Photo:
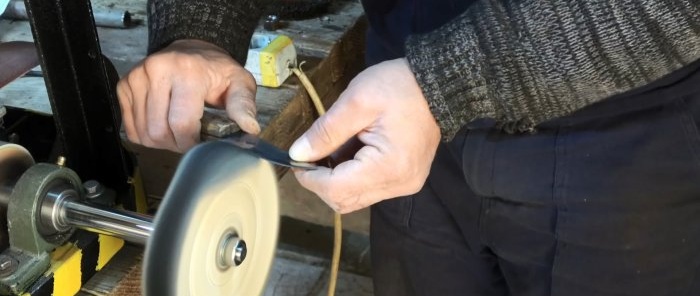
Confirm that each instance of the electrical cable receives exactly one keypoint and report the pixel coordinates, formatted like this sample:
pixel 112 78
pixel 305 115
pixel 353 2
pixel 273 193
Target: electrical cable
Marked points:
pixel 337 220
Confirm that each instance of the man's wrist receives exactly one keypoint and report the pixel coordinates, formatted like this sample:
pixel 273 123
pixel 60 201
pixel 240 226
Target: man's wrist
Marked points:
pixel 197 43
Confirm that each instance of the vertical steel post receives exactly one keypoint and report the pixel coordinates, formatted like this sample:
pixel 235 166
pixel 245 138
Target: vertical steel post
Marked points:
pixel 81 87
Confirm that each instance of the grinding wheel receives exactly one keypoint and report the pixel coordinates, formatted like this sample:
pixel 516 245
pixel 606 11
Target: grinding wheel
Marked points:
pixel 219 194
pixel 14 161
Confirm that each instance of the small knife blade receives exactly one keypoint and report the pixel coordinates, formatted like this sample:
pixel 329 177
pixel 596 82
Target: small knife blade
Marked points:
pixel 265 150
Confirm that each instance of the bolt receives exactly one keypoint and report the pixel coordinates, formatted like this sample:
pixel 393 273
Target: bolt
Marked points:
pixel 5 264
pixel 240 251
pixel 93 189
pixel 8 265
pixel 61 161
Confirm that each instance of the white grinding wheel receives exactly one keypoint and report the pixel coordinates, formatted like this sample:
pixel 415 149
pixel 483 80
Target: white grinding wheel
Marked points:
pixel 217 190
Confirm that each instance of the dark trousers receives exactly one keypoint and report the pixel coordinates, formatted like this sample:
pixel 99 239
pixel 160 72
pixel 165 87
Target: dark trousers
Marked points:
pixel 605 201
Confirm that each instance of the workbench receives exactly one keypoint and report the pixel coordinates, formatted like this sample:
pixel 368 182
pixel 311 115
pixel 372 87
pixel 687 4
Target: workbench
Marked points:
pixel 331 45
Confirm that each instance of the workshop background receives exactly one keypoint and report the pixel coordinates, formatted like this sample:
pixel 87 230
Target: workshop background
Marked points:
pixel 329 38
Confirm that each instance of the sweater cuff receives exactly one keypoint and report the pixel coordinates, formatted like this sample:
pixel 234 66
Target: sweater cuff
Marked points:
pixel 453 81
pixel 227 24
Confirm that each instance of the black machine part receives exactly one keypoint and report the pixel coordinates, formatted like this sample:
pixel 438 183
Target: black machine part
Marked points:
pixel 81 85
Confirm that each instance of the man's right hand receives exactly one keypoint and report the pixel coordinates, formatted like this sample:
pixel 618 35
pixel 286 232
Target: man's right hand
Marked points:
pixel 162 99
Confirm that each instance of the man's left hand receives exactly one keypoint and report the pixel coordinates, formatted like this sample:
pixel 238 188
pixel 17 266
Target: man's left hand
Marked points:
pixel 385 109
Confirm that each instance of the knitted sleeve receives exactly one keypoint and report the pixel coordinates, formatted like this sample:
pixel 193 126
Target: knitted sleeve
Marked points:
pixel 226 23
pixel 523 62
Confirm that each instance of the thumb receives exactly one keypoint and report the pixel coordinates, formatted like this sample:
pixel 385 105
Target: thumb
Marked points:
pixel 330 131
pixel 240 105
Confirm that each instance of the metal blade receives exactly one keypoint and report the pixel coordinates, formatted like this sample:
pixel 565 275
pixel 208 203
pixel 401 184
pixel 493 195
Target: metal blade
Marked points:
pixel 16 58
pixel 258 147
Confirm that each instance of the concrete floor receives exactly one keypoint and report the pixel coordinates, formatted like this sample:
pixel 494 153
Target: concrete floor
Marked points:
pixel 303 269
pixel 294 274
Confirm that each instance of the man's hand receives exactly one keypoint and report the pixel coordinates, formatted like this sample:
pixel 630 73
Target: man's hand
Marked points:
pixel 385 108
pixel 162 99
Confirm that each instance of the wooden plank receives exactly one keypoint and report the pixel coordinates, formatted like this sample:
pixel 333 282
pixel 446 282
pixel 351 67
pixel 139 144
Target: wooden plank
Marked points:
pixel 330 77
pixel 125 263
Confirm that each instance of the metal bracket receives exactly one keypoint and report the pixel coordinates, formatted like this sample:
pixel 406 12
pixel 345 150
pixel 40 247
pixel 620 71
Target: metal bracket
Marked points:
pixel 28 247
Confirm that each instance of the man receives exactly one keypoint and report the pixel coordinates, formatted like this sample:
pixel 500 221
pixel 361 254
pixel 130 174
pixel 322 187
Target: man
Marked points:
pixel 571 161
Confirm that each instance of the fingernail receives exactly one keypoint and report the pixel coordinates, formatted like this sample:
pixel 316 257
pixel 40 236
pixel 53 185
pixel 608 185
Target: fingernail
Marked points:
pixel 300 150
pixel 253 126
pixel 256 128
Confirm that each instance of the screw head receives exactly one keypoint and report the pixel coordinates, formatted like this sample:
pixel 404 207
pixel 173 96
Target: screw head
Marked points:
pixel 61 161
pixel 8 265
pixel 240 250
pixel 93 188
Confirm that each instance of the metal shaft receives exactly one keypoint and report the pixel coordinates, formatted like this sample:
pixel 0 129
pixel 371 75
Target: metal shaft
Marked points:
pixel 60 210
pixel 130 226
pixel 104 18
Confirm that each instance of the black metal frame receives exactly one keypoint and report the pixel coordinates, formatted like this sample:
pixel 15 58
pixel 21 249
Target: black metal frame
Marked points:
pixel 81 87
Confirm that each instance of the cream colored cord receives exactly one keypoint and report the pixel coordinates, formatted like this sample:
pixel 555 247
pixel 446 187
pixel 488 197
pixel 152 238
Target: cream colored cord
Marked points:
pixel 337 220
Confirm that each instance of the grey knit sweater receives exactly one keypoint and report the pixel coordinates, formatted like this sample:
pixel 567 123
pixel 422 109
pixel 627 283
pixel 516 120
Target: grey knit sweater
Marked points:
pixel 520 62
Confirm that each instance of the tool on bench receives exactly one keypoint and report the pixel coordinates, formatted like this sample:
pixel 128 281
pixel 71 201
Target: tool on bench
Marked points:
pixel 110 18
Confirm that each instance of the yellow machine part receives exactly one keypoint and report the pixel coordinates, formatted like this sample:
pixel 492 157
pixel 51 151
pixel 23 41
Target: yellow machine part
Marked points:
pixel 73 263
